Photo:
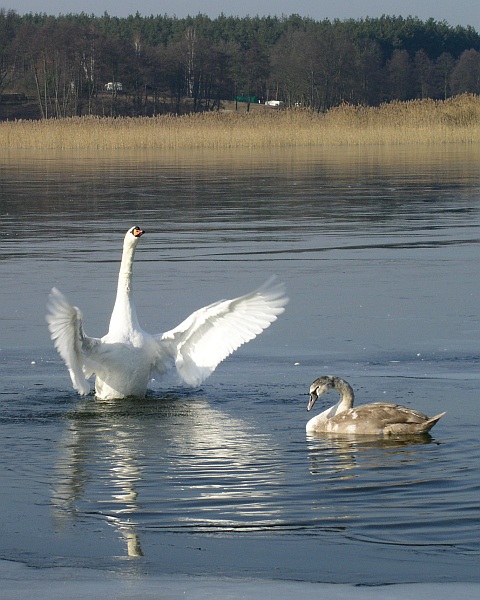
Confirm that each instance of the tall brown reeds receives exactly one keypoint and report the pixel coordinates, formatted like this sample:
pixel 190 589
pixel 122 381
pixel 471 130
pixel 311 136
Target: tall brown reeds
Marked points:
pixel 415 122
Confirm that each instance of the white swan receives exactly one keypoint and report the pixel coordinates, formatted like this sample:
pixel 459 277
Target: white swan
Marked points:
pixel 378 418
pixel 125 359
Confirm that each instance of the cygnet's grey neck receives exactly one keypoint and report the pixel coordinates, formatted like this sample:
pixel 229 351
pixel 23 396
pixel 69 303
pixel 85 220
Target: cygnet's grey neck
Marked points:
pixel 347 396
pixel 345 390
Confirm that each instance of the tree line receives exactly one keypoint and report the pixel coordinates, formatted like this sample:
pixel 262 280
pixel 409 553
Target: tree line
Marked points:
pixel 165 64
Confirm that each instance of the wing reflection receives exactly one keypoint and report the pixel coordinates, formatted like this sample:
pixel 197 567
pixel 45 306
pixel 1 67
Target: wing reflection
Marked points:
pixel 170 464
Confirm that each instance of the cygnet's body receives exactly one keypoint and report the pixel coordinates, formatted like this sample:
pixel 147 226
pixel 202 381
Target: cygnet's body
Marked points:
pixel 127 357
pixel 378 418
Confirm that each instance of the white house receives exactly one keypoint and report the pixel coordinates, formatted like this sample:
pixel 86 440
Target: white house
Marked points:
pixel 274 103
pixel 114 86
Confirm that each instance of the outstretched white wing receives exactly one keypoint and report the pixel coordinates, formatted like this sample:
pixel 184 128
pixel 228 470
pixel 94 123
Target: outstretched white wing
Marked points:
pixel 212 333
pixel 66 330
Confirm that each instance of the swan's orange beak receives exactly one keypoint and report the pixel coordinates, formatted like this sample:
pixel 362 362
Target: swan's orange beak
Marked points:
pixel 137 232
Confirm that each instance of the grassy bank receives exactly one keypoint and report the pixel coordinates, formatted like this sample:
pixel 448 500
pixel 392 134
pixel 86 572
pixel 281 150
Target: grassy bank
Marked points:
pixel 415 122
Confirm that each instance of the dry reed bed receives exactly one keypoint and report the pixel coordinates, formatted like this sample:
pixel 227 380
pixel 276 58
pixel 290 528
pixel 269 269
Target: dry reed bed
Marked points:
pixel 414 122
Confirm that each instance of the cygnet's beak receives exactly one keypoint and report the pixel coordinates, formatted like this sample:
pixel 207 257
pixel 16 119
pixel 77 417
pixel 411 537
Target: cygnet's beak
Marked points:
pixel 313 399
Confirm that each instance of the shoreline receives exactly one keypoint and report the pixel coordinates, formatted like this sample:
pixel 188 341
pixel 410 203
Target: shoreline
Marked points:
pixel 418 122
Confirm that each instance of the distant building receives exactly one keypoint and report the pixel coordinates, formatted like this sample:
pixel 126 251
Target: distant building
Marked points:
pixel 113 86
pixel 275 103
pixel 251 99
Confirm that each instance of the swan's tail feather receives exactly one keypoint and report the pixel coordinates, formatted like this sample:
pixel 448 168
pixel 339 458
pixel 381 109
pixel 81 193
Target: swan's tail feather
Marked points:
pixel 427 425
pixel 65 326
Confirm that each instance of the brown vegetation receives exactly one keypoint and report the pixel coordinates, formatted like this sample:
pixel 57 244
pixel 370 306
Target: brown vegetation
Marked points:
pixel 414 122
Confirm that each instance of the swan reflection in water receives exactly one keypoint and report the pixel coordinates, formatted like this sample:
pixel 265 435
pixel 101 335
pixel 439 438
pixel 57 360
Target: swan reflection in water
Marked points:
pixel 334 454
pixel 380 490
pixel 163 465
pixel 100 447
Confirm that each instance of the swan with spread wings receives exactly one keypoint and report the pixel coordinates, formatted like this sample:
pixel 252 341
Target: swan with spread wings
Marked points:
pixel 127 357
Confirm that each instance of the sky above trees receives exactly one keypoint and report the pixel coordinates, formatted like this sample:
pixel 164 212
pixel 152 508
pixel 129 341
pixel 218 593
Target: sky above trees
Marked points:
pixel 466 12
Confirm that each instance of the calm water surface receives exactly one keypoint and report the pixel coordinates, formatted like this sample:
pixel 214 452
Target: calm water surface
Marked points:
pixel 380 253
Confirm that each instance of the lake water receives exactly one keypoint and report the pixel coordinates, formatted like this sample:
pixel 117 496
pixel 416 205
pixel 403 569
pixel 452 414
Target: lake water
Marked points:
pixel 379 249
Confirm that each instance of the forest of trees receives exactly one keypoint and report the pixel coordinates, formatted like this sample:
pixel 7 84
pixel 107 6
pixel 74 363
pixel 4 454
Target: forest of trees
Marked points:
pixel 62 65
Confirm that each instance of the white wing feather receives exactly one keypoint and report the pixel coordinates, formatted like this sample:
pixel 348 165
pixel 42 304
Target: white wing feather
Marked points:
pixel 66 330
pixel 212 333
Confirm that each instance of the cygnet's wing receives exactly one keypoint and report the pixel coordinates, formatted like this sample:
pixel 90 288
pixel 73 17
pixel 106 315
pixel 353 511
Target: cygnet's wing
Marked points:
pixel 212 333
pixel 66 330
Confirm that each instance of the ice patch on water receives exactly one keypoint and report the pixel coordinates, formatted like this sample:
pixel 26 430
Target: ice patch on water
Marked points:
pixel 20 582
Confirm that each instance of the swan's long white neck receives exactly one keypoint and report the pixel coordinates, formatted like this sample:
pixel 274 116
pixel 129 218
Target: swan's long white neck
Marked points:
pixel 124 316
